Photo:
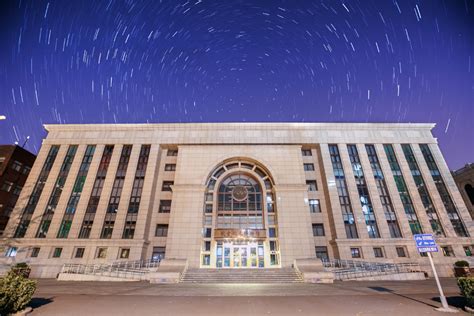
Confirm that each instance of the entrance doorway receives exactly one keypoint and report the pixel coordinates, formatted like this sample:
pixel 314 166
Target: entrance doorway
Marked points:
pixel 240 254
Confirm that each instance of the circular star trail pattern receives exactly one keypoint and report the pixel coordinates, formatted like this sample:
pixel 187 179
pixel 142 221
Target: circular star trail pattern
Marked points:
pixel 220 61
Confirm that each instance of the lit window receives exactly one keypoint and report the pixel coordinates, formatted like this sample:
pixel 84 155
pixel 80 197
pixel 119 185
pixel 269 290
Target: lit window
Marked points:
pixel 170 167
pixel 355 253
pixel 165 206
pixel 312 185
pixel 314 206
pixel 7 186
pixel 16 165
pixel 11 252
pixel 101 253
pixel 124 253
pixel 167 185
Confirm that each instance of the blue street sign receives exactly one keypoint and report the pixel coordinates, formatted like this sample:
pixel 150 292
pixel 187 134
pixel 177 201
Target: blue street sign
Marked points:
pixel 425 243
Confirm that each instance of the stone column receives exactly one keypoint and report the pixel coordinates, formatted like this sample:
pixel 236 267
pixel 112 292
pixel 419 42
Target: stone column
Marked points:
pixel 294 224
pixel 185 224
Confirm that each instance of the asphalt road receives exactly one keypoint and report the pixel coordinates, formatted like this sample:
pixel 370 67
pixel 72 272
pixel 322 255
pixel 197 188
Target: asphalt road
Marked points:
pixel 342 298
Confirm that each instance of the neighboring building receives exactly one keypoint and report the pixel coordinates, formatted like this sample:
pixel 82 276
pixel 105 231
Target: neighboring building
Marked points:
pixel 237 195
pixel 464 178
pixel 15 165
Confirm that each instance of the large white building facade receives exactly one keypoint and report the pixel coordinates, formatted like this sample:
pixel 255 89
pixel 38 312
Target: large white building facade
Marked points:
pixel 236 195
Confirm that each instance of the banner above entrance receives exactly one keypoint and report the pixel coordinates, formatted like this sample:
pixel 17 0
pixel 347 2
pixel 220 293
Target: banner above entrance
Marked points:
pixel 240 233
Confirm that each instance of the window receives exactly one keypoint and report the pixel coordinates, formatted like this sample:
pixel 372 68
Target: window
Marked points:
pixel 170 167
pixel 273 245
pixel 208 208
pixel 207 232
pixel 306 152
pixel 206 260
pixel 101 253
pixel 7 186
pixel 79 252
pixel 312 185
pixel 167 185
pixel 321 252
pixel 17 190
pixel 272 232
pixel 378 252
pixel 124 253
pixel 129 228
pixel 35 252
pixel 11 252
pixel 16 165
pixel 468 251
pixel 158 253
pixel 470 192
pixel 172 152
pixel 26 170
pixel 355 253
pixel 165 206
pixel 57 252
pixel 107 229
pixel 423 254
pixel 36 193
pixel 401 252
pixel 308 167
pixel 161 230
pixel 207 246
pixel 318 230
pixel 314 206
pixel 448 251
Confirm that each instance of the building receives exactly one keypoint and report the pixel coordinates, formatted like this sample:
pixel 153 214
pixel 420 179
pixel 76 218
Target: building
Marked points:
pixel 237 195
pixel 15 165
pixel 464 178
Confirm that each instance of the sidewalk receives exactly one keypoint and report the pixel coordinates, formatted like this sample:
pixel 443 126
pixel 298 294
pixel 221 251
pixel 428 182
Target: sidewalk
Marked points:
pixel 342 298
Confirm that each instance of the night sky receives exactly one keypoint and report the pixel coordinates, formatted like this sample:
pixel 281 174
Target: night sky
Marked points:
pixel 108 61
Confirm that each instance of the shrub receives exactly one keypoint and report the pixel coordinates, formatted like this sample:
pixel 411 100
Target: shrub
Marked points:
pixel 466 285
pixel 16 292
pixel 461 264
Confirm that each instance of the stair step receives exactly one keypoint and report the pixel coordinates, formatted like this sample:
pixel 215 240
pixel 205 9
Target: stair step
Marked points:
pixel 234 276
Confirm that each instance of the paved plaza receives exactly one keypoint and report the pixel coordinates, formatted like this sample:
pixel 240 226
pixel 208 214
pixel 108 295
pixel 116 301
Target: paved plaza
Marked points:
pixel 342 298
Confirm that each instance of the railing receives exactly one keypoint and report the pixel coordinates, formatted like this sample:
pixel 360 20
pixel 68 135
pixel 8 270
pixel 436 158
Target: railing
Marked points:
pixel 120 269
pixel 353 269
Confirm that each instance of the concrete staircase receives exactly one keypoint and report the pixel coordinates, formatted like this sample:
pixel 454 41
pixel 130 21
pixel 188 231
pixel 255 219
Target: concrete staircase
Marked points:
pixel 246 276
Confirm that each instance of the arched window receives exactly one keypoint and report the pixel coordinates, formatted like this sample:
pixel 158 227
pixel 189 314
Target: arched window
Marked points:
pixel 239 203
pixel 470 192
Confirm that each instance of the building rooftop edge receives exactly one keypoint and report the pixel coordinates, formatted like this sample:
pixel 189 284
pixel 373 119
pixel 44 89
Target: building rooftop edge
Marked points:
pixel 49 127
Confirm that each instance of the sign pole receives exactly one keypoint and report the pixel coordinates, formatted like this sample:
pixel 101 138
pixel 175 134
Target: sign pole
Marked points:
pixel 442 298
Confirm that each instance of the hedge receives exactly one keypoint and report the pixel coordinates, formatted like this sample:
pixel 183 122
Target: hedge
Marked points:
pixel 466 285
pixel 16 292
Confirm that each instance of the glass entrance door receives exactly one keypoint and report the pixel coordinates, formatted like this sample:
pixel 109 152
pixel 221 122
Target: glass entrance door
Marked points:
pixel 239 255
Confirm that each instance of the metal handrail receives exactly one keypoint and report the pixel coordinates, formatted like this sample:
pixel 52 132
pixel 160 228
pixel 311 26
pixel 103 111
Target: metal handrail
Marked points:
pixel 124 269
pixel 352 269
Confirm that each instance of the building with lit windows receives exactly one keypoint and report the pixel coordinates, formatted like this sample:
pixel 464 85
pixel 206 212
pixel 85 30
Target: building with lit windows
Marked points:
pixel 236 195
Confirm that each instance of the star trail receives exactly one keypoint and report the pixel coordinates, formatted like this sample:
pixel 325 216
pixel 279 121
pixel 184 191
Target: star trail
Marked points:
pixel 219 61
